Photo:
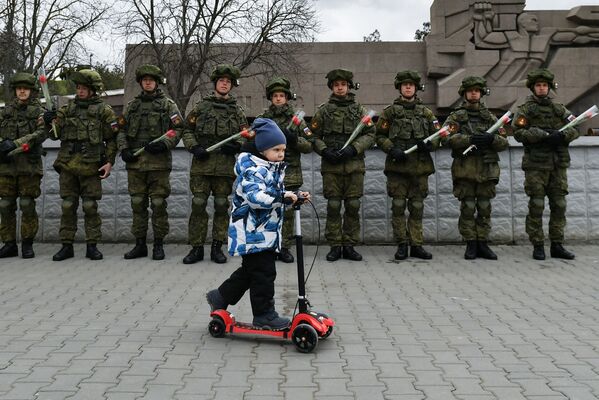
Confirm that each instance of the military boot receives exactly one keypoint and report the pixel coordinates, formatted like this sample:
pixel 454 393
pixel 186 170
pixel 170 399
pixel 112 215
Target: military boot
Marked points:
pixel 9 249
pixel 471 249
pixel 419 252
pixel 402 251
pixel 158 250
pixel 93 253
pixel 216 252
pixel 349 253
pixel 484 251
pixel 334 254
pixel 195 255
pixel 558 251
pixel 27 248
pixel 66 251
pixel 140 249
pixel 538 252
pixel 285 255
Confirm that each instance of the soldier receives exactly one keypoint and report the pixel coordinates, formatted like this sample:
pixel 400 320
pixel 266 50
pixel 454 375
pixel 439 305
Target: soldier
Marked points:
pixel 342 170
pixel 21 173
pixel 87 130
pixel 278 92
pixel 403 124
pixel 213 119
pixel 149 116
pixel 476 174
pixel 545 162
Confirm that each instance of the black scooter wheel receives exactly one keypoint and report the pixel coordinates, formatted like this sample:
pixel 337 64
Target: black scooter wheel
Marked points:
pixel 304 338
pixel 216 327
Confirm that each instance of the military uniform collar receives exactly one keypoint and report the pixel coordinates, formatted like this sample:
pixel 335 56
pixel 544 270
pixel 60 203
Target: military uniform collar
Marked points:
pixel 348 99
pixel 544 101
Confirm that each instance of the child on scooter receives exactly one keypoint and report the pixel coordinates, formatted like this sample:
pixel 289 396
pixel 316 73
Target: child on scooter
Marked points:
pixel 255 226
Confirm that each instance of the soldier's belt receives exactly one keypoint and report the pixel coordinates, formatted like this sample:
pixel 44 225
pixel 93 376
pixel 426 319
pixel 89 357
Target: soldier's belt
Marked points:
pixel 76 147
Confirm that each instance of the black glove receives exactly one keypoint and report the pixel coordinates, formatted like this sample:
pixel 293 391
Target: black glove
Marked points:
pixel 49 116
pixel 331 155
pixel 199 152
pixel 424 147
pixel 482 140
pixel 347 153
pixel 555 137
pixel 7 146
pixel 230 148
pixel 291 138
pixel 128 156
pixel 156 148
pixel 4 159
pixel 398 154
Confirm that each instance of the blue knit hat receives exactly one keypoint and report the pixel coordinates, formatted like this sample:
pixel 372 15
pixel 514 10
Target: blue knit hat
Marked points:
pixel 268 134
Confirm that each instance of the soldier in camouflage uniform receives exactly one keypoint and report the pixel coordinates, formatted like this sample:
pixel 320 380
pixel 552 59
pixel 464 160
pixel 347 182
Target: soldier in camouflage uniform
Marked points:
pixel 213 119
pixel 87 130
pixel 545 162
pixel 298 141
pixel 402 125
pixel 342 170
pixel 147 117
pixel 476 174
pixel 21 173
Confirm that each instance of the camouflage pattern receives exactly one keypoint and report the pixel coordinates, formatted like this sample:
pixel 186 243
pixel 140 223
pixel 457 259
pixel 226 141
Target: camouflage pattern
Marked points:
pixel 401 125
pixel 201 187
pixel 23 79
pixel 278 84
pixel 149 70
pixel 407 76
pixel 228 70
pixel 540 75
pixel 474 222
pixel 340 75
pixel 346 190
pixel 473 82
pixel 89 78
pixel 89 188
pixel 151 187
pixel 544 164
pixel 25 188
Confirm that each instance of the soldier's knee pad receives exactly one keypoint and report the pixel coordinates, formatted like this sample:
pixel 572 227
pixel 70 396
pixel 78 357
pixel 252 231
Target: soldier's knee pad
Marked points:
pixel 352 205
pixel 69 204
pixel 27 205
pixel 483 204
pixel 536 206
pixel 158 202
pixel 469 205
pixel 558 202
pixel 7 204
pixel 398 204
pixel 138 203
pixel 198 203
pixel 221 204
pixel 89 206
pixel 416 207
pixel 333 206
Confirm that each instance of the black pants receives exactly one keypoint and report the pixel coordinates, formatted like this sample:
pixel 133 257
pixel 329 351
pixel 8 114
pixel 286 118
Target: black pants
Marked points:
pixel 257 273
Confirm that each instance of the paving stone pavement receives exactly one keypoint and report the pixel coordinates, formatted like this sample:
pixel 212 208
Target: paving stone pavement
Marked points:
pixel 442 329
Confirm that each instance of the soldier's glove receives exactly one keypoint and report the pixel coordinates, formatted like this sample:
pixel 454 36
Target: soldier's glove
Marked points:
pixel 49 116
pixel 347 153
pixel 482 140
pixel 156 148
pixel 424 147
pixel 398 154
pixel 4 159
pixel 7 146
pixel 199 152
pixel 128 156
pixel 291 138
pixel 230 148
pixel 555 138
pixel 331 155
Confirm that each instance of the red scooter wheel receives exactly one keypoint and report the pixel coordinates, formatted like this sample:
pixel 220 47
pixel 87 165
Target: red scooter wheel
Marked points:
pixel 304 338
pixel 217 327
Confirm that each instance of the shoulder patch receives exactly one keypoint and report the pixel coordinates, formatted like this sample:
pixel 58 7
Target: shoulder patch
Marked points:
pixel 521 121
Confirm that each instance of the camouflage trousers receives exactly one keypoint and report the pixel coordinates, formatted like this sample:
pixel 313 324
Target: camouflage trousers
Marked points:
pixel 202 186
pixel 288 222
pixel 410 191
pixel 26 188
pixel 475 208
pixel 153 187
pixel 554 185
pixel 89 188
pixel 346 190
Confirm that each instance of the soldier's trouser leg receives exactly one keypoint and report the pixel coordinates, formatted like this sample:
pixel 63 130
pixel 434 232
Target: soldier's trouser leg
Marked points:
pixel 221 189
pixel 351 221
pixel 483 218
pixel 416 209
pixel 557 189
pixel 198 220
pixel 91 191
pixel 398 220
pixel 535 185
pixel 29 190
pixel 138 190
pixel 69 192
pixel 288 219
pixel 8 219
pixel 159 191
pixel 466 222
pixel 332 187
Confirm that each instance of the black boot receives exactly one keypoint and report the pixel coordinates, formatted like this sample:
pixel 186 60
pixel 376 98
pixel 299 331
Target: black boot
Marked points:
pixel 66 251
pixel 27 248
pixel 402 251
pixel 419 252
pixel 140 249
pixel 158 250
pixel 558 251
pixel 471 249
pixel 334 254
pixel 92 252
pixel 216 253
pixel 195 255
pixel 349 253
pixel 285 255
pixel 484 251
pixel 9 249
pixel 538 252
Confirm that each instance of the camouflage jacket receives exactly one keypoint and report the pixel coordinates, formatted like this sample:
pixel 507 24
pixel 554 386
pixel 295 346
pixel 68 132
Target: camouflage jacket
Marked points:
pixel 530 124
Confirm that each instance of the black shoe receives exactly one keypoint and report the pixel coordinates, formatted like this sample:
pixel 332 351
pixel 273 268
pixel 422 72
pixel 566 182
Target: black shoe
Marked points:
pixel 66 251
pixel 285 255
pixel 27 248
pixel 558 251
pixel 92 252
pixel 350 254
pixel 158 250
pixel 334 254
pixel 471 249
pixel 195 255
pixel 216 300
pixel 402 252
pixel 271 320
pixel 140 249
pixel 216 252
pixel 538 253
pixel 9 249
pixel 484 251
pixel 419 252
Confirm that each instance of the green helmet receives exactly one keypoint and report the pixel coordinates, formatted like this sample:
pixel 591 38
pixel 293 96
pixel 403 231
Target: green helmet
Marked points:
pixel 341 75
pixel 278 84
pixel 89 78
pixel 228 70
pixel 22 79
pixel 149 70
pixel 474 81
pixel 408 76
pixel 542 75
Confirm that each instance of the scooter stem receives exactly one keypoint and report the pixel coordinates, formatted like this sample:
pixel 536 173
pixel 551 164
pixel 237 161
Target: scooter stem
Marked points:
pixel 301 284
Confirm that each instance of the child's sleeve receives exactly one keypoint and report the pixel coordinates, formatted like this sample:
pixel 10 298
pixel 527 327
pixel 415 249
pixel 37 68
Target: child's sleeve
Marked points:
pixel 257 193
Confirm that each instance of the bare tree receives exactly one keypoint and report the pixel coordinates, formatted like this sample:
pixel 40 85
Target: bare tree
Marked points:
pixel 185 38
pixel 373 37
